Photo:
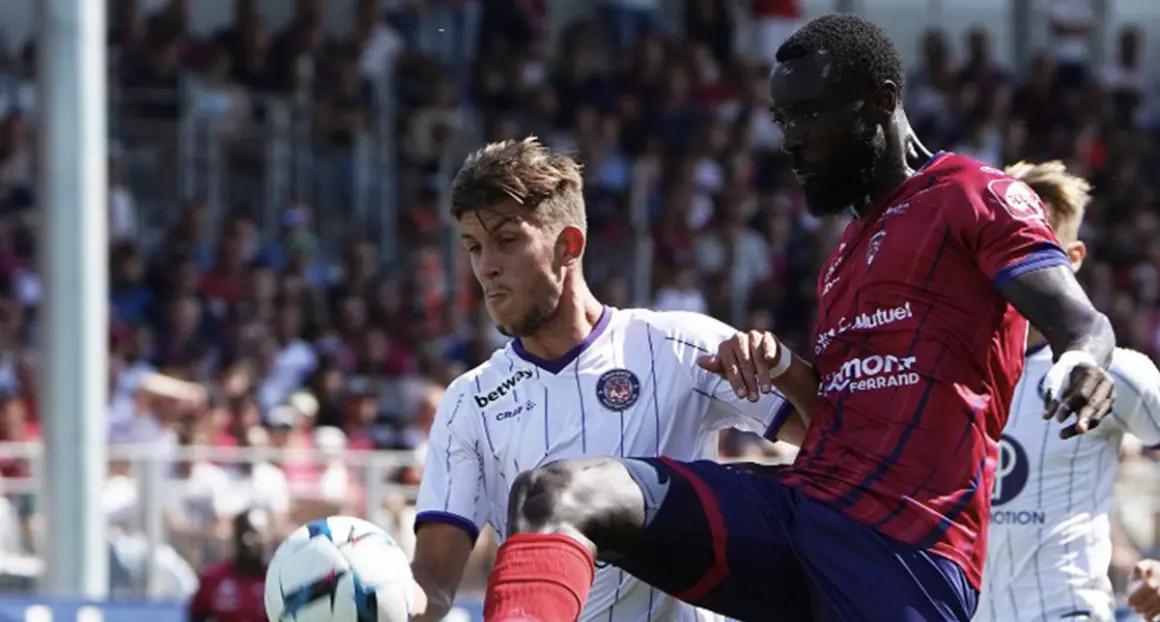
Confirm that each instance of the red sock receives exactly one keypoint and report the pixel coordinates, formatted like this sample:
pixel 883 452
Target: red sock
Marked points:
pixel 538 578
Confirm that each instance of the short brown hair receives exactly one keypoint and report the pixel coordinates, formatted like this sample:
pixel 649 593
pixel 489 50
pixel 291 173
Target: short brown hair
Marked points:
pixel 1065 195
pixel 546 183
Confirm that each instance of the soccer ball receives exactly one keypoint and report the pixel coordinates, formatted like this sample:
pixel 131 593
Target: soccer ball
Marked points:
pixel 338 569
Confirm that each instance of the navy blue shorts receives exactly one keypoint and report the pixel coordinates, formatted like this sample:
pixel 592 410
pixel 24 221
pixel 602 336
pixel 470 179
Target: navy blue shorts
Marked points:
pixel 741 543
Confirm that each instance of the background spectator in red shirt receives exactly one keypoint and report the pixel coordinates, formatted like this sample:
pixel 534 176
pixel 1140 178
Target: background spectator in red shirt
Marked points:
pixel 232 590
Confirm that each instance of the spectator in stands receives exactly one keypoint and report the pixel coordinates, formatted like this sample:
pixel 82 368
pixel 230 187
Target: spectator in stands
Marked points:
pixel 334 490
pixel 1033 110
pixel 979 73
pixel 773 21
pixel 261 484
pixel 133 301
pixel 233 590
pixel 682 294
pixel 225 283
pixel 196 505
pixel 628 19
pixel 1124 78
pixel 242 42
pixel 981 139
pixel 170 22
pixel 930 87
pixel 709 22
pixel 290 431
pixel 292 361
pixel 295 52
pixel 733 255
pixel 151 79
pixel 344 106
pixel 132 561
pixel 15 427
pixel 124 30
pixel 509 24
pixel 17 153
pixel 378 44
pixel 182 344
pixel 1072 23
pixel 13 356
pixel 294 221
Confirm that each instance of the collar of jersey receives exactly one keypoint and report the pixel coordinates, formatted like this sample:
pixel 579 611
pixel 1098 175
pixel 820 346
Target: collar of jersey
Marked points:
pixel 871 217
pixel 934 158
pixel 555 365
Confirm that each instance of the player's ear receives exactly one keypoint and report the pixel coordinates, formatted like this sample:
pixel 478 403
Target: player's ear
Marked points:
pixel 570 244
pixel 1076 252
pixel 887 97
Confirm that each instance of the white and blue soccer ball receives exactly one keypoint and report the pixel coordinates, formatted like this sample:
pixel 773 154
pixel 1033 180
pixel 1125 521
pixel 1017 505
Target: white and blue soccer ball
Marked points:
pixel 338 569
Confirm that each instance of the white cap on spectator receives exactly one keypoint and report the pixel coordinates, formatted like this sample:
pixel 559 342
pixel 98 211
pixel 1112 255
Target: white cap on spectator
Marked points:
pixel 304 403
pixel 330 441
pixel 282 416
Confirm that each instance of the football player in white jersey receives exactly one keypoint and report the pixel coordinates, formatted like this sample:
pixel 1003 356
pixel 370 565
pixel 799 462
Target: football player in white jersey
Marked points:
pixel 1050 539
pixel 577 379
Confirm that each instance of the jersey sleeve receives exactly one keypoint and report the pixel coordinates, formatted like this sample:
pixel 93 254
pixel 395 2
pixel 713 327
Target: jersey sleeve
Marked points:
pixel 1137 408
pixel 449 491
pixel 693 335
pixel 1003 224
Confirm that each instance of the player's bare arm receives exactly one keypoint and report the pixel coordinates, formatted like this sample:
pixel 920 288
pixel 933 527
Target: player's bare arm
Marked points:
pixel 1082 338
pixel 441 553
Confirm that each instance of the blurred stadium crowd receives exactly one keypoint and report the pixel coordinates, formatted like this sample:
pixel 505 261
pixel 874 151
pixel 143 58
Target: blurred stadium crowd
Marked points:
pixel 232 329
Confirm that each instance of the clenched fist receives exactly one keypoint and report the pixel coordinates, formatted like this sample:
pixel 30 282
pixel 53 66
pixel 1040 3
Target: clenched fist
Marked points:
pixel 1144 591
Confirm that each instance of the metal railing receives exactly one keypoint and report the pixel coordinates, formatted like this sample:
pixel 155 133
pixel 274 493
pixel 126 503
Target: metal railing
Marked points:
pixel 258 163
pixel 152 468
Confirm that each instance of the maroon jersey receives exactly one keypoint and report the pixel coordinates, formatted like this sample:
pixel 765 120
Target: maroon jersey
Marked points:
pixel 919 355
pixel 227 595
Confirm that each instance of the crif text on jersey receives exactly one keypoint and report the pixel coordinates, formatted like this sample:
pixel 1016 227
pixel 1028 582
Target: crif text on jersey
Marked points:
pixel 505 387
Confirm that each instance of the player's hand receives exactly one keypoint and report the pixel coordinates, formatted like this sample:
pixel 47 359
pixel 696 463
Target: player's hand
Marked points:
pixel 744 360
pixel 1085 391
pixel 1144 591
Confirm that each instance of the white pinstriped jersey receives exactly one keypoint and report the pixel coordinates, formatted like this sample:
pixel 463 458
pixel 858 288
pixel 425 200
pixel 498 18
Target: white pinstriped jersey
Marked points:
pixel 1050 538
pixel 631 389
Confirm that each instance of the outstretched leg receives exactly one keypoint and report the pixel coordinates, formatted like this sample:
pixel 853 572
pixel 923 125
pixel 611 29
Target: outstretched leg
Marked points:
pixel 596 501
pixel 560 517
pixel 710 534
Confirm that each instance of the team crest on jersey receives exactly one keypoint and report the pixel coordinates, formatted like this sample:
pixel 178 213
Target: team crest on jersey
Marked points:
pixel 1017 198
pixel 875 246
pixel 617 389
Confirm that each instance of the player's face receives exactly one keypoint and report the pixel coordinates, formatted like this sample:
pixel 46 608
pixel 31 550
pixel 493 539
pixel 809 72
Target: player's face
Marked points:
pixel 833 144
pixel 517 264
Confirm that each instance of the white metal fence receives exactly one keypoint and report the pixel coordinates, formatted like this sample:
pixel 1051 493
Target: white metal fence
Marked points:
pixel 146 485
